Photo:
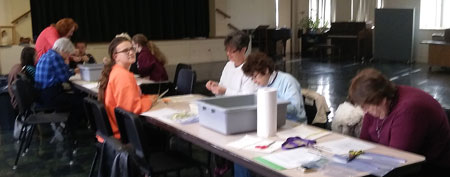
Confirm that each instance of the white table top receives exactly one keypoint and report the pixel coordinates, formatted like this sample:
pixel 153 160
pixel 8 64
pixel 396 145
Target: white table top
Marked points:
pixel 219 141
pixel 92 87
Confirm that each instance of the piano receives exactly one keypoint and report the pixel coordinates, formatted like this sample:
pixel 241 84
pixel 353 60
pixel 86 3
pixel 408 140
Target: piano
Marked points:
pixel 353 39
pixel 266 40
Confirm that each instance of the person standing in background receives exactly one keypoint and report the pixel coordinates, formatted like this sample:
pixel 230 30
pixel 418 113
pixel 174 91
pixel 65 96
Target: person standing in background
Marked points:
pixel 63 28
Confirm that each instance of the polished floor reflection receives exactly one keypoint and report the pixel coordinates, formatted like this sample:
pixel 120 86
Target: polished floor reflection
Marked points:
pixel 327 78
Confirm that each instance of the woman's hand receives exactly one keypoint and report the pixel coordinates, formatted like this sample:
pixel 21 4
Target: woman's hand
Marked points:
pixel 210 84
pixel 154 99
pixel 218 90
pixel 214 87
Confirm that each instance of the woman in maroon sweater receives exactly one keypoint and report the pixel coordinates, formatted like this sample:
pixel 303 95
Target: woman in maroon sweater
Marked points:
pixel 150 60
pixel 402 117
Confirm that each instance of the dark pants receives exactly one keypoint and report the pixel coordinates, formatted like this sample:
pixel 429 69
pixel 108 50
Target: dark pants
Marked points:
pixel 64 100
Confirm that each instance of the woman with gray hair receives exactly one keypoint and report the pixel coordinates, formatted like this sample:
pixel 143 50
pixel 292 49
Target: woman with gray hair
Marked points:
pixel 52 71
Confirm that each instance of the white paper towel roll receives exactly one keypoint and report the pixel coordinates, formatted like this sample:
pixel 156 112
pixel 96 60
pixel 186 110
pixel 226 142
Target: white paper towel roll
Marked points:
pixel 266 112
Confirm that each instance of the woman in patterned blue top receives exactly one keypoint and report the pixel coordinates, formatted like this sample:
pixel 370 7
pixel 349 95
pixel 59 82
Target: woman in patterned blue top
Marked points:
pixel 52 71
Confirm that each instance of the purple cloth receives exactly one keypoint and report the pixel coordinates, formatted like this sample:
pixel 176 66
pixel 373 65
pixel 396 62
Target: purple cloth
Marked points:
pixel 416 123
pixel 148 65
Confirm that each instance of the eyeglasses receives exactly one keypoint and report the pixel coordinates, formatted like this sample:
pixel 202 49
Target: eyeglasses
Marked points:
pixel 127 50
pixel 255 75
pixel 231 50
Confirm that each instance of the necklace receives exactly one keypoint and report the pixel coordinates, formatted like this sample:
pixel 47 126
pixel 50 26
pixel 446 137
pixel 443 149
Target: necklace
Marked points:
pixel 379 128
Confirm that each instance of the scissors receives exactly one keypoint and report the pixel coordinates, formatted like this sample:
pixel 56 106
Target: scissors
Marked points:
pixel 264 146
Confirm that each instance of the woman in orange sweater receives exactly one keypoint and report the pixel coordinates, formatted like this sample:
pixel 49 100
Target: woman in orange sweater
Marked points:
pixel 118 87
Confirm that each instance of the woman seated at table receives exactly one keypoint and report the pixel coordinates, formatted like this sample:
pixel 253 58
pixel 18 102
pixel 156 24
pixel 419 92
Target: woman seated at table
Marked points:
pixel 118 87
pixel 402 117
pixel 260 68
pixel 150 60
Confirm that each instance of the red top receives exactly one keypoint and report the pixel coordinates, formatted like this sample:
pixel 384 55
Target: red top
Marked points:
pixel 416 123
pixel 45 41
pixel 148 65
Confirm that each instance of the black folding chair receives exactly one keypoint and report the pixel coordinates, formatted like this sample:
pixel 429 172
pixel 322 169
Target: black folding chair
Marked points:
pixel 177 70
pixel 186 81
pixel 155 163
pixel 96 111
pixel 117 159
pixel 30 115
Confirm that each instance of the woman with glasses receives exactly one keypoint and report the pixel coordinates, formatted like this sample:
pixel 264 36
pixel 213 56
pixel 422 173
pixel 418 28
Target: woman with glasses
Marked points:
pixel 118 87
pixel 233 81
pixel 150 60
pixel 261 68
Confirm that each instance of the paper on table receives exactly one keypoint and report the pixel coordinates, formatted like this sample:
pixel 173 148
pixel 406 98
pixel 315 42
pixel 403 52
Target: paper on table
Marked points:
pixel 292 158
pixel 343 146
pixel 273 147
pixel 303 132
pixel 182 98
pixel 164 112
pixel 245 141
pixel 91 85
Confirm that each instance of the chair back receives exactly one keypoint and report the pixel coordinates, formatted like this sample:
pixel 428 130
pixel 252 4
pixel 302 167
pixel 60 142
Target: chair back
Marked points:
pixel 24 92
pixel 115 159
pixel 134 132
pixel 186 81
pixel 177 70
pixel 310 110
pixel 96 112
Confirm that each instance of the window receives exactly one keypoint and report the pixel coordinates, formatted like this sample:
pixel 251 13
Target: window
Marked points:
pixel 321 10
pixel 434 14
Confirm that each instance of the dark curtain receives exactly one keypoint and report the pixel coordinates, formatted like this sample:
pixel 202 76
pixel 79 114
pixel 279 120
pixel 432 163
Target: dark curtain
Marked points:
pixel 101 20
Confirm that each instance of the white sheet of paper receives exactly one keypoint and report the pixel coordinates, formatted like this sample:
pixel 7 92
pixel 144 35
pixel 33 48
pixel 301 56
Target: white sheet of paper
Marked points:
pixel 164 112
pixel 294 158
pixel 303 132
pixel 275 146
pixel 343 146
pixel 182 98
pixel 91 85
pixel 245 141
